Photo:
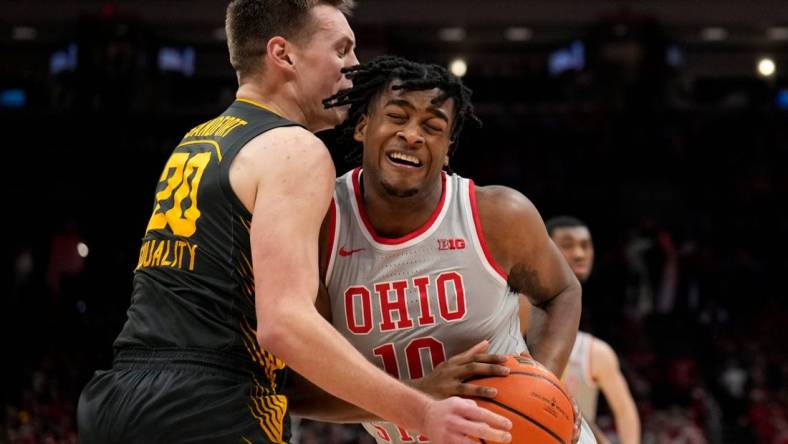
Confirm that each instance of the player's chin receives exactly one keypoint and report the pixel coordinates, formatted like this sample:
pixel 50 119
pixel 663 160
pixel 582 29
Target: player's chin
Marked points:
pixel 407 177
pixel 582 273
pixel 400 188
pixel 334 117
pixel 340 114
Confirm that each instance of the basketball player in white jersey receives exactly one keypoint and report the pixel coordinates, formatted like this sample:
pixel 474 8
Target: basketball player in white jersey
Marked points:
pixel 593 363
pixel 421 265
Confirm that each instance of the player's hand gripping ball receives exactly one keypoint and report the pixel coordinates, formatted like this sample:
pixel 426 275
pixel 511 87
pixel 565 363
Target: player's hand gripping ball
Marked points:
pixel 534 400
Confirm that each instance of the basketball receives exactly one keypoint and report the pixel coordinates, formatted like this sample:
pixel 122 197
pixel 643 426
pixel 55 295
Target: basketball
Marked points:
pixel 534 400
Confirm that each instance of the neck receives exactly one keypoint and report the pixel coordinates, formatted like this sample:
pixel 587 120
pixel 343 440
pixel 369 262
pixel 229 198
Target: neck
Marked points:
pixel 279 100
pixel 393 216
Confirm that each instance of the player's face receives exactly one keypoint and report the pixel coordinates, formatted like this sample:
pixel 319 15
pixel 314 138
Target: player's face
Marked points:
pixel 319 60
pixel 578 249
pixel 406 140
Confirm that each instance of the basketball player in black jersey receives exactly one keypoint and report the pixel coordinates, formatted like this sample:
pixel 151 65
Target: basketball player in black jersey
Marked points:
pixel 224 289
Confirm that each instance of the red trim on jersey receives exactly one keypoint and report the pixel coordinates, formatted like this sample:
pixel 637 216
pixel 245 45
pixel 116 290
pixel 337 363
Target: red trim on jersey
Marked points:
pixel 395 241
pixel 332 225
pixel 480 234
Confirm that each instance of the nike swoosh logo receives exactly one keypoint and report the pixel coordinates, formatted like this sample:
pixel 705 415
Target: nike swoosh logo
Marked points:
pixel 343 252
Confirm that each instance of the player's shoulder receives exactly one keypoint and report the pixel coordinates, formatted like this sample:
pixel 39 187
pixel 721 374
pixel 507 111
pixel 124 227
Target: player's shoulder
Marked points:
pixel 502 203
pixel 276 159
pixel 601 346
pixel 291 138
pixel 586 336
pixel 603 356
pixel 290 146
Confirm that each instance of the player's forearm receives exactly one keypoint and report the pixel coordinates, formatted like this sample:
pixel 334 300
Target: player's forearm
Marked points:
pixel 310 401
pixel 553 329
pixel 614 387
pixel 628 427
pixel 313 348
pixel 334 410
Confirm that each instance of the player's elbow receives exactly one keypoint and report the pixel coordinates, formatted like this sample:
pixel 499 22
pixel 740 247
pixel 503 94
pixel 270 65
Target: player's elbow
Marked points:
pixel 573 295
pixel 571 300
pixel 569 295
pixel 274 332
pixel 279 320
pixel 575 290
pixel 271 338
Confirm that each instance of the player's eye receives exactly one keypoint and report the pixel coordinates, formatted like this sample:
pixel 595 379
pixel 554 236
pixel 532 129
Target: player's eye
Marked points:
pixel 396 117
pixel 433 128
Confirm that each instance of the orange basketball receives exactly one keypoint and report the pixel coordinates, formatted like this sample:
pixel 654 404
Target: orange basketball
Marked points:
pixel 534 400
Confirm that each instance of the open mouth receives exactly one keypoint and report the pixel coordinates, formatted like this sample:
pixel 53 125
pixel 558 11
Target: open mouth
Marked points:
pixel 404 159
pixel 580 267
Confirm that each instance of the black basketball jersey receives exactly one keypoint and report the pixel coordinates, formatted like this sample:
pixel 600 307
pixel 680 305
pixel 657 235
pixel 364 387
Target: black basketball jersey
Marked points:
pixel 193 285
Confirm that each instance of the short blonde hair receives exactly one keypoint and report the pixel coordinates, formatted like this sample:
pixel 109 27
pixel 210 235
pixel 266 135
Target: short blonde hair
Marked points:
pixel 249 25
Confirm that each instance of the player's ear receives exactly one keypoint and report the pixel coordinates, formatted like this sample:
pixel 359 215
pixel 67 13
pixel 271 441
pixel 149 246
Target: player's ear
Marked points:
pixel 279 52
pixel 361 129
pixel 449 152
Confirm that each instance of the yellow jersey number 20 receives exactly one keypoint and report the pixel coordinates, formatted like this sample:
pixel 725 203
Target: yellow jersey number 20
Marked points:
pixel 181 177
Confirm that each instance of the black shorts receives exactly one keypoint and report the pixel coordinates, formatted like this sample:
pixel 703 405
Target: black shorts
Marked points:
pixel 180 396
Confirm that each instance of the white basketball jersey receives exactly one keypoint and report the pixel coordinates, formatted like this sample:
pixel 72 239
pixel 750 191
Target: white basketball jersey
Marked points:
pixel 407 304
pixel 577 377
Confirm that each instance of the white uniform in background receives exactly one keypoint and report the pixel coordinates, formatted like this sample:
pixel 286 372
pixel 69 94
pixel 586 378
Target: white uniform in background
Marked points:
pixel 577 377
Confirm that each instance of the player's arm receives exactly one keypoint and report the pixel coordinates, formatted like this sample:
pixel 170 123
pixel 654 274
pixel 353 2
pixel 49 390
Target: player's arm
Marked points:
pixel 310 401
pixel 606 372
pixel 519 243
pixel 293 180
pixel 294 187
pixel 525 314
pixel 305 399
pixel 448 379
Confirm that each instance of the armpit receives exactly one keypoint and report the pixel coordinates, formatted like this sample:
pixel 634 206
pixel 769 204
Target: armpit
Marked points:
pixel 524 279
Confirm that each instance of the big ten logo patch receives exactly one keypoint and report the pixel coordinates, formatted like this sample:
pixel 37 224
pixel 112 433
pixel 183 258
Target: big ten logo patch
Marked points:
pixel 451 244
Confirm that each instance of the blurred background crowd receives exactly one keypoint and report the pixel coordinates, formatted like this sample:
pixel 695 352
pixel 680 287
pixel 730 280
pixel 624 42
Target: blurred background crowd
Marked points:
pixel 661 124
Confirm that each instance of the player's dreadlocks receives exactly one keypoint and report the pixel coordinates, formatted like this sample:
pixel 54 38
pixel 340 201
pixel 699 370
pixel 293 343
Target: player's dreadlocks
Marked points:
pixel 373 78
